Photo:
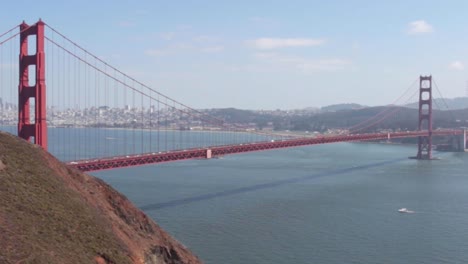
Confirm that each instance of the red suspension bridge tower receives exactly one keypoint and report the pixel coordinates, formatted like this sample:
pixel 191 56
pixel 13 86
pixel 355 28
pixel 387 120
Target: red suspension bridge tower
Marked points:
pixel 36 91
pixel 425 117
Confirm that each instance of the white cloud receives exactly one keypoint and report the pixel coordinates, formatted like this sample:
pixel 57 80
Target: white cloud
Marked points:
pixel 275 43
pixel 457 65
pixel 419 27
pixel 305 65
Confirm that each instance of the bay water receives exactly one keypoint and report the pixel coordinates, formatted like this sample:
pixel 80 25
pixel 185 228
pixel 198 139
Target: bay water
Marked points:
pixel 334 203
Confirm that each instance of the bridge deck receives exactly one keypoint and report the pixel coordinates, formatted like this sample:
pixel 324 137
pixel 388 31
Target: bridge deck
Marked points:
pixel 199 153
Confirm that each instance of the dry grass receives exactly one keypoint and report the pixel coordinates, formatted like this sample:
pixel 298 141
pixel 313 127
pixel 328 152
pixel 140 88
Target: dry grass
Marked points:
pixel 43 221
pixel 50 213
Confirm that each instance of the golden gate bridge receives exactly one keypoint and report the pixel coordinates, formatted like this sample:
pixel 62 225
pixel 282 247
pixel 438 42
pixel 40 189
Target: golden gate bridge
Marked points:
pixel 61 84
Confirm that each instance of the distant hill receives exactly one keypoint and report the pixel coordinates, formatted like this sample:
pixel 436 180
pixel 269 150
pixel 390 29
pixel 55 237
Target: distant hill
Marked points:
pixel 341 107
pixel 348 115
pixel 452 103
pixel 259 118
pixel 50 213
pixel 404 118
pixel 233 115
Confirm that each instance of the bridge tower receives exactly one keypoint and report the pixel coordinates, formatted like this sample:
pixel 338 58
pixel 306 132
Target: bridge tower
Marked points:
pixel 35 91
pixel 425 117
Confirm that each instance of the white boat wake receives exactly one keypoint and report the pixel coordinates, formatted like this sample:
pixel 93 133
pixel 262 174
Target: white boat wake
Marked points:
pixel 405 211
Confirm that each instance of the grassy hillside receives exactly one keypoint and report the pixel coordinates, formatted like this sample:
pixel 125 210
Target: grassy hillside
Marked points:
pixel 51 214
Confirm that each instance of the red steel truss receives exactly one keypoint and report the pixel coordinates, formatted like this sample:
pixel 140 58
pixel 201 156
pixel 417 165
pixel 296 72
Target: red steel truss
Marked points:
pixel 202 153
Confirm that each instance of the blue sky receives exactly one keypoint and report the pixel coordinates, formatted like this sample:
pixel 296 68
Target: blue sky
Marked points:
pixel 268 54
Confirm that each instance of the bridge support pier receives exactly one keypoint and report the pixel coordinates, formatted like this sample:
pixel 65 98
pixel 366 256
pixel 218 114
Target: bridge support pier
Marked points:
pixel 208 154
pixel 425 118
pixel 35 91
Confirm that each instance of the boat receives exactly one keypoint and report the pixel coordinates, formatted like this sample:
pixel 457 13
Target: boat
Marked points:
pixel 405 210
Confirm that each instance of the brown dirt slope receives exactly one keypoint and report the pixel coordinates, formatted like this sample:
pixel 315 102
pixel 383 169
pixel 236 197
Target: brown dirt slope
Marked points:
pixel 52 214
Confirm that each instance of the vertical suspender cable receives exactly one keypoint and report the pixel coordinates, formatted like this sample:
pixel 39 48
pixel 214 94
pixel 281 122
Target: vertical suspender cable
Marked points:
pixel 173 126
pixel 114 112
pixel 159 123
pixel 151 110
pixel 62 103
pixel 75 103
pixel 166 112
pixel 68 107
pixel 134 117
pixel 96 110
pixel 125 132
pixel 104 112
pixel 89 94
pixel 142 150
